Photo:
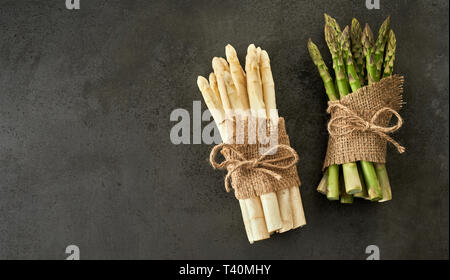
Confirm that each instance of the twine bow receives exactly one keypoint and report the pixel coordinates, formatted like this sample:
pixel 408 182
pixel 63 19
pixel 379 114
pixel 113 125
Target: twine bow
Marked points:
pixel 352 122
pixel 260 164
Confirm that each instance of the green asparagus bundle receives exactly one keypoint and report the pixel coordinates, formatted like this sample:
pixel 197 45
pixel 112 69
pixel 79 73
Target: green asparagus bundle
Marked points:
pixel 358 60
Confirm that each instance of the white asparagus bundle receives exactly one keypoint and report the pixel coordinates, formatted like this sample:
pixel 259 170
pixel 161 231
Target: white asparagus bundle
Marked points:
pixel 232 91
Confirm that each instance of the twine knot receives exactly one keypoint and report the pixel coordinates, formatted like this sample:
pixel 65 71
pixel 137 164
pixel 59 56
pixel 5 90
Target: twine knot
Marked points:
pixel 352 122
pixel 254 163
pixel 261 164
pixel 367 127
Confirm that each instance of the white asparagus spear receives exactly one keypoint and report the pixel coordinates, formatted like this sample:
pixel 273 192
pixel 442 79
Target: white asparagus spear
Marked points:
pixel 232 92
pixel 284 202
pixel 272 213
pixel 215 106
pixel 254 85
pixel 217 66
pixel 246 219
pixel 297 205
pixel 213 103
pixel 269 201
pixel 293 213
pixel 257 219
pixel 258 55
pixel 238 76
pixel 268 85
pixel 213 84
pixel 253 205
pixel 224 63
pixel 256 215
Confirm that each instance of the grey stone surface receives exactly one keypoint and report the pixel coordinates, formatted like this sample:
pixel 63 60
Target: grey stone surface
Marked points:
pixel 85 154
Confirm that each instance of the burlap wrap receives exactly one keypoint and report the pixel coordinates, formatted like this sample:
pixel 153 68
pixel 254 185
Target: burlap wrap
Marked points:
pixel 256 169
pixel 359 122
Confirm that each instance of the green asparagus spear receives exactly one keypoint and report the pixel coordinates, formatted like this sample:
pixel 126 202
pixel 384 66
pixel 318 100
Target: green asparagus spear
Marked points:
pixel 357 49
pixel 333 182
pixel 355 85
pixel 372 183
pixel 332 172
pixel 369 52
pixel 351 177
pixel 380 45
pixel 373 186
pixel 323 71
pixel 363 194
pixel 380 168
pixel 333 23
pixel 390 55
pixel 338 61
pixel 383 178
pixel 353 78
pixel 345 197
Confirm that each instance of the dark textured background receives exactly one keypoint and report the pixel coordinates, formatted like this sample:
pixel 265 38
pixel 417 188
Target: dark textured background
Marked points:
pixel 85 153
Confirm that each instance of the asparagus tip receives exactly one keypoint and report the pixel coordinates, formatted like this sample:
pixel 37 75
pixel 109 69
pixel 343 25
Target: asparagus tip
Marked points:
pixel 230 52
pixel 345 39
pixel 367 38
pixel 217 64
pixel 251 48
pixel 346 29
pixel 330 37
pixel 201 81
